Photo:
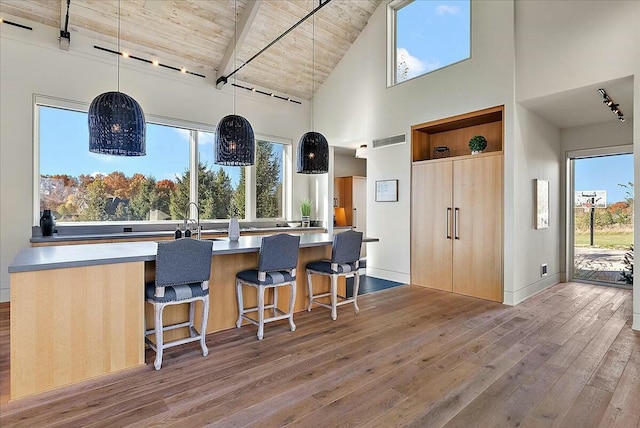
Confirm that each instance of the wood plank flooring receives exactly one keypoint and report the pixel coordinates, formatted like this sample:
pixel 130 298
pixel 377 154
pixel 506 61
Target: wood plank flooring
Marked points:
pixel 413 357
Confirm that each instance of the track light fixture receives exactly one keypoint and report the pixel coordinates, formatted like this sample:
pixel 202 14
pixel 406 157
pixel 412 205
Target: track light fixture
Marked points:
pixel 613 106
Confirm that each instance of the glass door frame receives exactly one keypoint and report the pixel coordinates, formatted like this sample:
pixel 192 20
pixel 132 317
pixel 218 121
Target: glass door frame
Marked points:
pixel 570 157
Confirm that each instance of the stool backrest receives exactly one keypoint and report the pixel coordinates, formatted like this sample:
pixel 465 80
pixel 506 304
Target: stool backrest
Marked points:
pixel 346 247
pixel 183 261
pixel 279 252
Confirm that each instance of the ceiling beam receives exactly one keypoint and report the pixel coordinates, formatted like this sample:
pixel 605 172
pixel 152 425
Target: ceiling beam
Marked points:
pixel 244 25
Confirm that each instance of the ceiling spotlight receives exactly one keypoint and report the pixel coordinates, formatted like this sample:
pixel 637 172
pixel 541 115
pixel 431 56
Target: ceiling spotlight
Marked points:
pixel 125 54
pixel 155 62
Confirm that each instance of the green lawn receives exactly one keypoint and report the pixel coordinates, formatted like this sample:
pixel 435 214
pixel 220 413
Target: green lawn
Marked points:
pixel 620 240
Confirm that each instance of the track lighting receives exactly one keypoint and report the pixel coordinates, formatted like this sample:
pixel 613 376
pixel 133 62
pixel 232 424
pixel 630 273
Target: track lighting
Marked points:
pixel 613 106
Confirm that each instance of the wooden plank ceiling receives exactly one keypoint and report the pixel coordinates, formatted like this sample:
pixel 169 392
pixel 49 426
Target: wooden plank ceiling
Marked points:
pixel 196 34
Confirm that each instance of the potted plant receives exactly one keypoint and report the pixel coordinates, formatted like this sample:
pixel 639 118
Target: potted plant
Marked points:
pixel 477 144
pixel 305 211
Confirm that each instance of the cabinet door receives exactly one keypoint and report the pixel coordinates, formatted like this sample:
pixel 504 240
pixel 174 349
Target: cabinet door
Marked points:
pixel 477 244
pixel 431 228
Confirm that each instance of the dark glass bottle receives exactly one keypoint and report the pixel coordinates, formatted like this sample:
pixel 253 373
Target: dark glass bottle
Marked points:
pixel 178 233
pixel 47 223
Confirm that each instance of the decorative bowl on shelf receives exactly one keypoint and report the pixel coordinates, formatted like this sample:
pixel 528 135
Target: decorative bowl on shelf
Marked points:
pixel 293 223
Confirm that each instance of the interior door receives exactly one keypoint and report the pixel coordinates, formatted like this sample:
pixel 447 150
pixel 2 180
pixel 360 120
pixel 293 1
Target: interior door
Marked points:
pixel 431 226
pixel 477 243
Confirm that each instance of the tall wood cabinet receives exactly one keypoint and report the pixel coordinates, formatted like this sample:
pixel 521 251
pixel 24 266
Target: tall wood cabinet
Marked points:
pixel 456 210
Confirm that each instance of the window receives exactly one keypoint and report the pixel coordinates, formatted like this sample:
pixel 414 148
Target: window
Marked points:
pixel 223 191
pixel 426 35
pixel 79 186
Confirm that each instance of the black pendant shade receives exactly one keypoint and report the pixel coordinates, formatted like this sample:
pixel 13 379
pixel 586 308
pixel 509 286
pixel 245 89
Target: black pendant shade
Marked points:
pixel 116 125
pixel 235 144
pixel 313 154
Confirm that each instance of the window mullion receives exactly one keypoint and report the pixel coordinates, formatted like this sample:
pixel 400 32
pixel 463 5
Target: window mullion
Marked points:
pixel 194 170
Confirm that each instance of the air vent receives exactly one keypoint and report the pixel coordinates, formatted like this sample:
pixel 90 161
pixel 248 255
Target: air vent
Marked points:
pixel 389 141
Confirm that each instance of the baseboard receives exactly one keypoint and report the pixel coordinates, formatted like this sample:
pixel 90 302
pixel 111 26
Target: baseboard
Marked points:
pixel 513 298
pixel 403 278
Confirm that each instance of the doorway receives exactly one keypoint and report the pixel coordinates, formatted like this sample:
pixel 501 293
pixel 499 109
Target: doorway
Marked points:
pixel 602 216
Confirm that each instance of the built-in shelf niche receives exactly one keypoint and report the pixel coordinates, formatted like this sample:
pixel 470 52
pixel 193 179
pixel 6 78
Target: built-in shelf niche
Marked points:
pixel 456 131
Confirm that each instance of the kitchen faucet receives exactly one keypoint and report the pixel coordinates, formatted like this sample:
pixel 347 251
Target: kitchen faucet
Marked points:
pixel 188 219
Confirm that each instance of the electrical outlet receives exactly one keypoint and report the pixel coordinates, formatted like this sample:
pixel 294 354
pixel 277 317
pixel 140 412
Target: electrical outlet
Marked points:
pixel 127 229
pixel 543 269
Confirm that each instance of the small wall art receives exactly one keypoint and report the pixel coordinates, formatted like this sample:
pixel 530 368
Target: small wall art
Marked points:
pixel 542 203
pixel 387 191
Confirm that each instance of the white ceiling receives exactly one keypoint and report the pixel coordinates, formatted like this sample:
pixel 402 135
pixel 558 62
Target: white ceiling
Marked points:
pixel 584 106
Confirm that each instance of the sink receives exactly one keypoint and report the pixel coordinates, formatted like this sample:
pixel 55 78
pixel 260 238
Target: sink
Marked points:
pixel 213 239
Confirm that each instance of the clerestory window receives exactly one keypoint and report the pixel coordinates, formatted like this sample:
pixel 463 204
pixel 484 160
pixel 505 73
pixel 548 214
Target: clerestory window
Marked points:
pixel 426 35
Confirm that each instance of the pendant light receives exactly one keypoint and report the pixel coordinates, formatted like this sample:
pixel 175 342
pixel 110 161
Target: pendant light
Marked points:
pixel 234 142
pixel 313 148
pixel 116 121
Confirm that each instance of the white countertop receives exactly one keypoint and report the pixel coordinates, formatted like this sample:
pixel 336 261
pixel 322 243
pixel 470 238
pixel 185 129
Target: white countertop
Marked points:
pixel 65 256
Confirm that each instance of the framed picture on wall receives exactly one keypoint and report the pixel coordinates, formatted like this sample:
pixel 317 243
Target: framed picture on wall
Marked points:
pixel 542 203
pixel 387 191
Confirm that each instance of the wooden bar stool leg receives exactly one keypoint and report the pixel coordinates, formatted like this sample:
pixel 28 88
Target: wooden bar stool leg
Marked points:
pixel 275 301
pixel 310 287
pixel 159 339
pixel 192 316
pixel 203 328
pixel 260 312
pixel 334 297
pixel 356 286
pixel 240 303
pixel 292 301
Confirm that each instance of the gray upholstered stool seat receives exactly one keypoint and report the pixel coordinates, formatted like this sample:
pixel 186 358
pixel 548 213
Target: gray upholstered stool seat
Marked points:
pixel 277 264
pixel 183 268
pixel 176 292
pixel 345 260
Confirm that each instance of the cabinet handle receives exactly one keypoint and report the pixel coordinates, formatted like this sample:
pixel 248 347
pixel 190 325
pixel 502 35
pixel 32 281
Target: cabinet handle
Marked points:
pixel 448 225
pixel 455 223
pixel 355 218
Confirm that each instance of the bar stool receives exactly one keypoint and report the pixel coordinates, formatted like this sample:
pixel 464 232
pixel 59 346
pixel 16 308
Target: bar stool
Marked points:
pixel 183 267
pixel 345 260
pixel 277 264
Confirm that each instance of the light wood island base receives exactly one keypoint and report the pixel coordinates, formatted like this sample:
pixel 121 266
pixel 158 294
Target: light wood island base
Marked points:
pixel 73 324
pixel 76 323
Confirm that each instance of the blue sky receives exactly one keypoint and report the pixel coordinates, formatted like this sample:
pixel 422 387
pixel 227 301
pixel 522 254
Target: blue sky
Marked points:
pixel 433 34
pixel 64 149
pixel 604 173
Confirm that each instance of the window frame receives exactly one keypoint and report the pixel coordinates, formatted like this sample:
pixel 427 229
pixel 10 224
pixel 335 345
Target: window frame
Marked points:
pixel 392 34
pixel 194 128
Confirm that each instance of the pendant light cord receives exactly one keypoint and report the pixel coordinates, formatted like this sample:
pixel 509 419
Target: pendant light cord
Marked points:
pixel 119 53
pixel 313 69
pixel 235 49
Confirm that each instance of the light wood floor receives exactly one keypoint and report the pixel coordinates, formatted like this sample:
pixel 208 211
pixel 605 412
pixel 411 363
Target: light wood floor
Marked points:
pixel 412 357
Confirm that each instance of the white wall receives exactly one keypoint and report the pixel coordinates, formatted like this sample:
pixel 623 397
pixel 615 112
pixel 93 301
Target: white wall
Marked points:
pixel 354 104
pixel 563 45
pixel 32 63
pixel 538 156
pixel 567 44
pixel 346 166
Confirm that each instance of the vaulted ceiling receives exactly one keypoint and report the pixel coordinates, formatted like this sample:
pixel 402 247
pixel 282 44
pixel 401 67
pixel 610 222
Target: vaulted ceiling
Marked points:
pixel 200 35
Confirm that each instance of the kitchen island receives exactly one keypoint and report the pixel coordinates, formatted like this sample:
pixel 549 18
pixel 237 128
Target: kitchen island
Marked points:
pixel 78 311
